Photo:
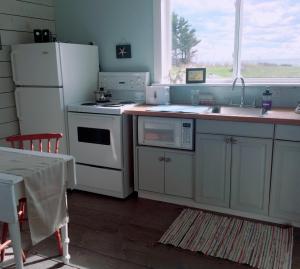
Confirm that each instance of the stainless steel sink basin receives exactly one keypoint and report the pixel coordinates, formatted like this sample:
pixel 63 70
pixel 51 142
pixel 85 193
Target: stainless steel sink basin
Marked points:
pixel 240 111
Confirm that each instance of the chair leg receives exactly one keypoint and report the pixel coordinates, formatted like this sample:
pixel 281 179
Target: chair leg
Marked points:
pixel 59 243
pixel 7 242
pixel 22 211
pixel 4 239
pixel 23 256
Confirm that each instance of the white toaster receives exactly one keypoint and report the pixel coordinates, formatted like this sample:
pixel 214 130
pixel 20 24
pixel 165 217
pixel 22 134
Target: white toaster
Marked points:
pixel 157 95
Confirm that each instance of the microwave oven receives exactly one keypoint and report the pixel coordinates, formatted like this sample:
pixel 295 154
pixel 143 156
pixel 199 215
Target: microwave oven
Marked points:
pixel 166 132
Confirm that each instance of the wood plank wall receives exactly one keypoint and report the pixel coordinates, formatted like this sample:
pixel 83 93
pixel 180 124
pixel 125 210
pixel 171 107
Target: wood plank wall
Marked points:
pixel 18 18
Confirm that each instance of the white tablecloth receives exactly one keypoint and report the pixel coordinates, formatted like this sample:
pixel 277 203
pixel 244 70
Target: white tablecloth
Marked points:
pixel 45 178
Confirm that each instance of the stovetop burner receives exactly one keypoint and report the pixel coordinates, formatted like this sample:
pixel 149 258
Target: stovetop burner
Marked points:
pixel 126 102
pixel 112 104
pixel 88 104
pixel 115 107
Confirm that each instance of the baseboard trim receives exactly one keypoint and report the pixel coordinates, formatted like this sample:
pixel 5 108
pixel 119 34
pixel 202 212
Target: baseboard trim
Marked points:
pixel 191 203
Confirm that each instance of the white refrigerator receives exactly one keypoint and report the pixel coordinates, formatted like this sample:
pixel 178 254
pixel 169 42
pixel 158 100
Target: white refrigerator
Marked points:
pixel 48 77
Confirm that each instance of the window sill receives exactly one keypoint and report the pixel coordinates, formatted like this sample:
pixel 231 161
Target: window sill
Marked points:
pixel 227 84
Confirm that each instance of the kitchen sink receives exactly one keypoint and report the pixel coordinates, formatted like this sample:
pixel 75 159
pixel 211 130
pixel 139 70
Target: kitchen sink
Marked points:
pixel 220 110
pixel 238 111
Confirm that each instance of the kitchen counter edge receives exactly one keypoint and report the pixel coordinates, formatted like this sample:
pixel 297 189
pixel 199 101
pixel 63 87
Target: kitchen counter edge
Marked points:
pixel 285 116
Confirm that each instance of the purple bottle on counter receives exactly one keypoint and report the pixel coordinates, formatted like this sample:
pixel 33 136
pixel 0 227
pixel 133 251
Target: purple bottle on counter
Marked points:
pixel 267 100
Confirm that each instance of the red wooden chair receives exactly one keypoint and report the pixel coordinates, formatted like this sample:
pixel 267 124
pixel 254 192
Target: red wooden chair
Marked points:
pixel 3 246
pixel 30 141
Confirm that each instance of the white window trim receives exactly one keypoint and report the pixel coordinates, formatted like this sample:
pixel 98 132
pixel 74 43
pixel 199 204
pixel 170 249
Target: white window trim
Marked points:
pixel 237 38
pixel 162 31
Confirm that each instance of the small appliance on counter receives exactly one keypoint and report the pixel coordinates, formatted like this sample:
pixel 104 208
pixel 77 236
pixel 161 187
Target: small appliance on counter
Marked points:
pixel 157 95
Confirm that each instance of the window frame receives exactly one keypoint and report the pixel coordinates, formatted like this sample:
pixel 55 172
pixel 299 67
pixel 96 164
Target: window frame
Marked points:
pixel 162 36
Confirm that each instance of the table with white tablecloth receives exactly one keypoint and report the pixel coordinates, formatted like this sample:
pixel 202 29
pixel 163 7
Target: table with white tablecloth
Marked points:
pixel 42 178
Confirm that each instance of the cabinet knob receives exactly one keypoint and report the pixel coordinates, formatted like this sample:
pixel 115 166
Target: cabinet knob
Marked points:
pixel 233 140
pixel 227 140
pixel 161 159
pixel 167 160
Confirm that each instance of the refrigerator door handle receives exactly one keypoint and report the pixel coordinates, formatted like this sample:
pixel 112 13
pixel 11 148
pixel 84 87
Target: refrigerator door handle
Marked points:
pixel 13 67
pixel 18 106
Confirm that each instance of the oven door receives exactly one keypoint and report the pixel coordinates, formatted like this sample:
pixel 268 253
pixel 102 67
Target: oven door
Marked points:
pixel 95 139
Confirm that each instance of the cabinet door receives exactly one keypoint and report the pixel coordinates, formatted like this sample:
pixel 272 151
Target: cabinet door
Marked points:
pixel 151 169
pixel 212 181
pixel 250 174
pixel 285 188
pixel 179 174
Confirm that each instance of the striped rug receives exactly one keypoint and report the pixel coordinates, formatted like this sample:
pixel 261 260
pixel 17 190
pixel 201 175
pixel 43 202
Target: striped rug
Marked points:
pixel 256 244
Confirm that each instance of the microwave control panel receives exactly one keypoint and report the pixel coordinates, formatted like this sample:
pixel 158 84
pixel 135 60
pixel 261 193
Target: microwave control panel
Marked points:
pixel 187 129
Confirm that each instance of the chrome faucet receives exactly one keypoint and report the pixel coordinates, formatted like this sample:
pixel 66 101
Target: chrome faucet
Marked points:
pixel 242 104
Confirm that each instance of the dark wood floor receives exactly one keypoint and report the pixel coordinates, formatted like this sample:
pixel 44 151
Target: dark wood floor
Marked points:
pixel 108 233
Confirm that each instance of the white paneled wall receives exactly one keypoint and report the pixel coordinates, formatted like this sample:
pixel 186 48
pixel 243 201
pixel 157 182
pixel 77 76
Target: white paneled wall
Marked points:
pixel 18 18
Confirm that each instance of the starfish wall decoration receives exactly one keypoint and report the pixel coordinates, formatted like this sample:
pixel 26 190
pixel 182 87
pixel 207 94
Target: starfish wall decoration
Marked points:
pixel 123 51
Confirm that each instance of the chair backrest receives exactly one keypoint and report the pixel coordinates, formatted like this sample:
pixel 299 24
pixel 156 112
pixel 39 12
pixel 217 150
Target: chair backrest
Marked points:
pixel 18 141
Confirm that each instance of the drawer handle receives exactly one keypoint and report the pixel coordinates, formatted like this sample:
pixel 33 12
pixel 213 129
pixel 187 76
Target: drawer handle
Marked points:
pixel 233 140
pixel 228 140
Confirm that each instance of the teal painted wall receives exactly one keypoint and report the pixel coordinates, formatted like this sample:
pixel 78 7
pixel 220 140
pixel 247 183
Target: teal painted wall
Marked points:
pixel 109 22
pixel 287 96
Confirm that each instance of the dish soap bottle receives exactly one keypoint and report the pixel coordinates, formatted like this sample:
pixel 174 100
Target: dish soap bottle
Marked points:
pixel 267 99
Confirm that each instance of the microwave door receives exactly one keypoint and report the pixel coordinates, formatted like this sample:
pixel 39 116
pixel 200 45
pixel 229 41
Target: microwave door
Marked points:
pixel 162 133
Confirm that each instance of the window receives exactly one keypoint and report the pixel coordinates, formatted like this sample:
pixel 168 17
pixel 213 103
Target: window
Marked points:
pixel 271 38
pixel 256 39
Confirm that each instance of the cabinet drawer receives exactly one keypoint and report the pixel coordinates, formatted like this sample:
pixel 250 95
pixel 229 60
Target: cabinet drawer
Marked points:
pixel 287 132
pixel 99 180
pixel 235 128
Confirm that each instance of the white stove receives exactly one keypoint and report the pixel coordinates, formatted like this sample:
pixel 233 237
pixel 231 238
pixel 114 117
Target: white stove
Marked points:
pixel 100 136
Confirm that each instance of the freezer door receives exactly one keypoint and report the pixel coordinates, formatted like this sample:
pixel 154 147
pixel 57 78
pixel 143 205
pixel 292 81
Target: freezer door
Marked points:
pixel 41 110
pixel 36 65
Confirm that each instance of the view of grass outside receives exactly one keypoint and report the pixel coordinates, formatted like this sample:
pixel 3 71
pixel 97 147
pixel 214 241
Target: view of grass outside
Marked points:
pixel 270 71
pixel 203 36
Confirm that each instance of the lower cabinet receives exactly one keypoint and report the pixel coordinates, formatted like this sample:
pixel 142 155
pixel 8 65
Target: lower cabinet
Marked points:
pixel 233 172
pixel 250 174
pixel 285 187
pixel 164 171
pixel 212 180
pixel 151 170
pixel 179 174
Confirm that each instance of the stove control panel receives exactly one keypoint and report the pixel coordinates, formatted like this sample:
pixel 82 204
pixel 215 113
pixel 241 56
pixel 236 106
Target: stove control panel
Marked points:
pixel 136 81
pixel 125 85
